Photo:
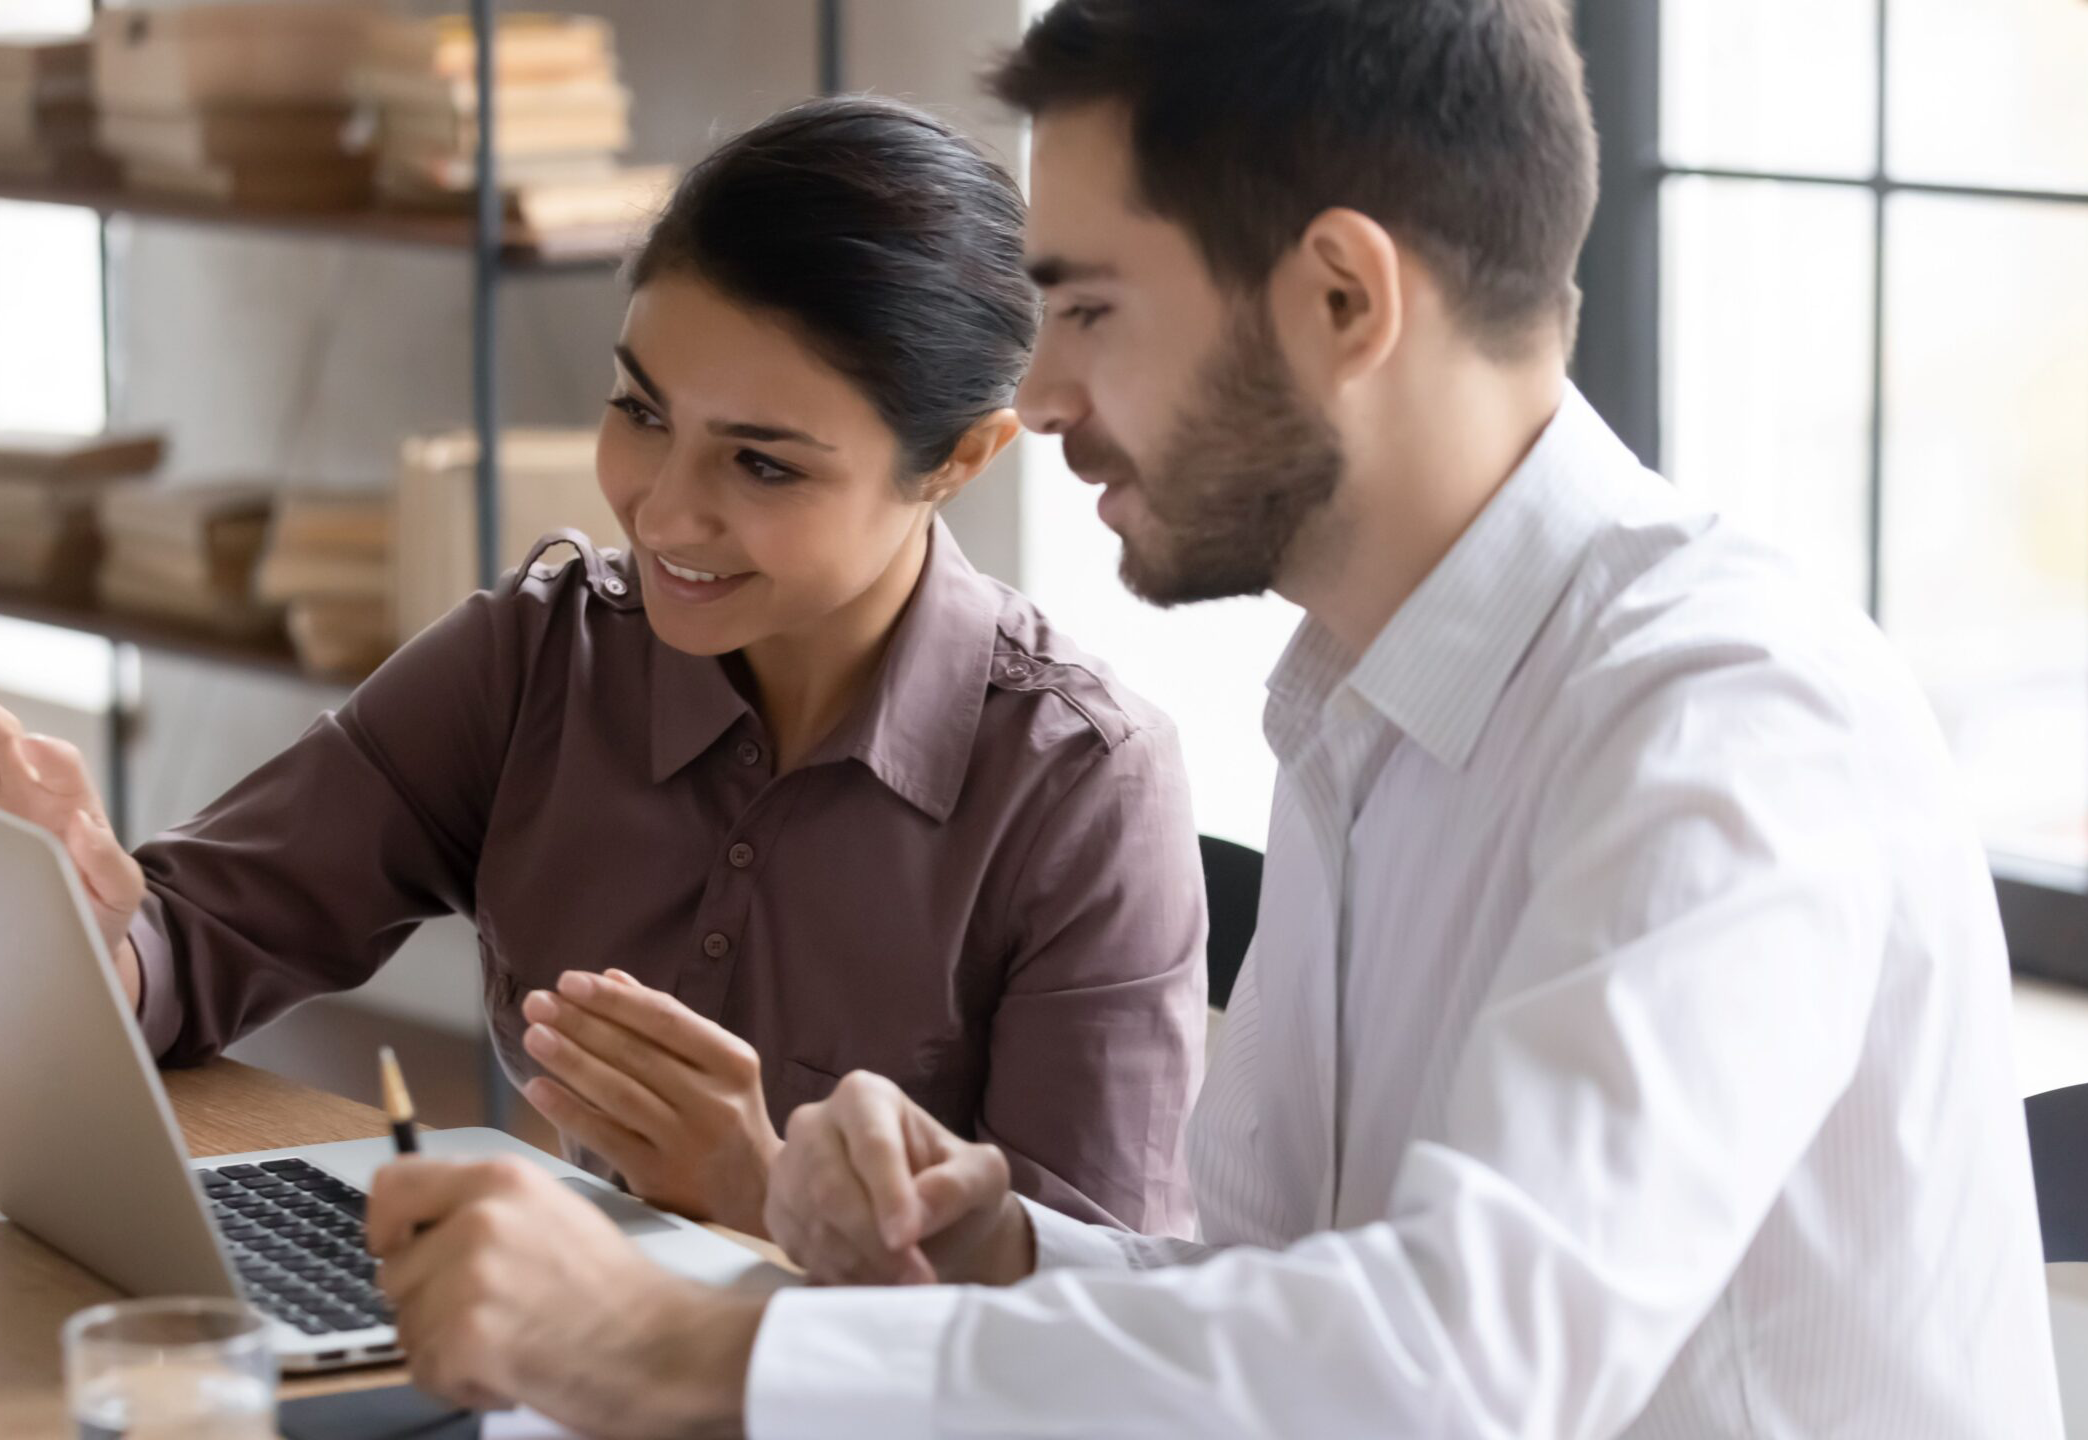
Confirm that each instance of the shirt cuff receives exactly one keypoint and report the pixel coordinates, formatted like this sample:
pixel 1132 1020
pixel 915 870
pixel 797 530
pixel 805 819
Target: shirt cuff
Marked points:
pixel 848 1362
pixel 1064 1243
pixel 159 1004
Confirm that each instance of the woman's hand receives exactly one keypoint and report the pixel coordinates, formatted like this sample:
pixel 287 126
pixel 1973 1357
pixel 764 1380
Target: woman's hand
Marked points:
pixel 45 782
pixel 670 1099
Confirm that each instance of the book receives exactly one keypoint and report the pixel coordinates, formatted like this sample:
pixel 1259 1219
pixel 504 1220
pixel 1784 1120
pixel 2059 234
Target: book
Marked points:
pixel 525 47
pixel 621 204
pixel 341 637
pixel 199 139
pixel 30 123
pixel 121 589
pixel 253 53
pixel 224 518
pixel 569 122
pixel 356 522
pixel 41 455
pixel 287 575
pixel 55 67
pixel 225 570
pixel 340 182
pixel 56 561
pixel 392 89
pixel 547 482
pixel 448 181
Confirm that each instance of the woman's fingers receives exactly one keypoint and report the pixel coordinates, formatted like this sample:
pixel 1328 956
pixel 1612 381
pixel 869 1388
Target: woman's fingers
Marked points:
pixel 622 1147
pixel 112 877
pixel 613 1092
pixel 664 1073
pixel 663 1020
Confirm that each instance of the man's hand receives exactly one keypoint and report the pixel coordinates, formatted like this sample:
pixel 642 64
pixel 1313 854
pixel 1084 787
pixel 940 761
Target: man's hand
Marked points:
pixel 45 782
pixel 510 1289
pixel 670 1099
pixel 871 1190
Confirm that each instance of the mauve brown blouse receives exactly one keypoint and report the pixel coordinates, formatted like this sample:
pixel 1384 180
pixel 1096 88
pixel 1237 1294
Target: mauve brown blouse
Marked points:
pixel 985 885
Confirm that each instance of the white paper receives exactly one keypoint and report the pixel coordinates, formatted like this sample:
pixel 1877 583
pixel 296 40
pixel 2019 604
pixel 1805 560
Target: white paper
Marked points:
pixel 523 1424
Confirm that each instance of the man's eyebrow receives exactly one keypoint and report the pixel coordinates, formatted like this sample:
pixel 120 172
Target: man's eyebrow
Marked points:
pixel 1048 272
pixel 637 372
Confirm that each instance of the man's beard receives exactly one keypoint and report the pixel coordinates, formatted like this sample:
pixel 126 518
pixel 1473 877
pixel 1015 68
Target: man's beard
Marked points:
pixel 1248 464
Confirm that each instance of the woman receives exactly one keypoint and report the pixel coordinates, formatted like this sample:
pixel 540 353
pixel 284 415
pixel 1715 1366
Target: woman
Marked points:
pixel 813 794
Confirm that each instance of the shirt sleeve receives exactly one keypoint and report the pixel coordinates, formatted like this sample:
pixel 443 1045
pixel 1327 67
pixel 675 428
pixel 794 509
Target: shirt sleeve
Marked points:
pixel 1097 1044
pixel 1682 1002
pixel 307 875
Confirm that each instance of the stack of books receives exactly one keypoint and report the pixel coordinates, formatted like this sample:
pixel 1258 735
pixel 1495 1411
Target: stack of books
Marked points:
pixel 561 118
pixel 49 487
pixel 187 554
pixel 547 482
pixel 247 105
pixel 47 113
pixel 329 564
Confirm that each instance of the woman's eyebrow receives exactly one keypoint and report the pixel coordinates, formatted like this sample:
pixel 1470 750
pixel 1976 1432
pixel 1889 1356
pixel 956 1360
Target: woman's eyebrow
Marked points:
pixel 767 434
pixel 653 392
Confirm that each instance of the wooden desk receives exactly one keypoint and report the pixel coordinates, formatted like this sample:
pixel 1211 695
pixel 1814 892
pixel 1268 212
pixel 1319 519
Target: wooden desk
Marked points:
pixel 223 1109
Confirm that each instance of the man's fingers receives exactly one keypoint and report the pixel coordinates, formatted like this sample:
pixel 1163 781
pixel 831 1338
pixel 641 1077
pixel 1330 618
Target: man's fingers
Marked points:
pixel 876 1149
pixel 416 1191
pixel 972 1178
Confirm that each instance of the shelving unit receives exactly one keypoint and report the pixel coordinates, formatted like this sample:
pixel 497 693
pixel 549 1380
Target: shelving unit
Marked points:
pixel 497 251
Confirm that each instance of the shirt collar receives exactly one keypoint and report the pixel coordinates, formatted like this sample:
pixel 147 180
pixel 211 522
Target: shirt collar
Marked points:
pixel 914 731
pixel 1438 668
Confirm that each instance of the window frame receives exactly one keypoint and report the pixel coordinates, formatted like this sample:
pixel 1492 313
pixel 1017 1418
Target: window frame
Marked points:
pixel 2044 909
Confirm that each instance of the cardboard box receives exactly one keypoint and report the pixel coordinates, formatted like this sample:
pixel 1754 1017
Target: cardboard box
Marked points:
pixel 227 135
pixel 241 54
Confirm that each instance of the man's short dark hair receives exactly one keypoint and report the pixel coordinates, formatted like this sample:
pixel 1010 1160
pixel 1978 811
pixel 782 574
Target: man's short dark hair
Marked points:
pixel 1461 126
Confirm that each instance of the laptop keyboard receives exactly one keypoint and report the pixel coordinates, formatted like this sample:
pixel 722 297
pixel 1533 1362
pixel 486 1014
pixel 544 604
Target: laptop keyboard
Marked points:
pixel 296 1234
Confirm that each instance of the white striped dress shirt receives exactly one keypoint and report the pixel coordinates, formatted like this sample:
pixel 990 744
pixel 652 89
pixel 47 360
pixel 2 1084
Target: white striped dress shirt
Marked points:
pixel 1623 1051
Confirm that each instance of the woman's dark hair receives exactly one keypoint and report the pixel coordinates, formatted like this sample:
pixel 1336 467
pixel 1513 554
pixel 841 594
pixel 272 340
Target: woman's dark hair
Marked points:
pixel 889 239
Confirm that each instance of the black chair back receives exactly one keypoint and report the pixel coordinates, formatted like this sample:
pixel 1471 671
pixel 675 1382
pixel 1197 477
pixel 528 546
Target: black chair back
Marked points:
pixel 1232 881
pixel 2059 1161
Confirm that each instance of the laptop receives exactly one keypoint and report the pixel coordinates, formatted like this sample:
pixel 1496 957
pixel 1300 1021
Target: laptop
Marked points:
pixel 92 1163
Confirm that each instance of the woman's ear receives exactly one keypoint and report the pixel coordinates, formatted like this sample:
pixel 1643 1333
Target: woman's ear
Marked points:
pixel 980 447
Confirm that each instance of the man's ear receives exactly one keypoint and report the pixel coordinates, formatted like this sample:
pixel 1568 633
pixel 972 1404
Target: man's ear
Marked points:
pixel 980 447
pixel 1342 287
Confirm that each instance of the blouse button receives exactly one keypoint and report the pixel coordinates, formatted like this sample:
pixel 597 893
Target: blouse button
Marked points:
pixel 1018 670
pixel 741 855
pixel 716 946
pixel 749 753
pixel 614 586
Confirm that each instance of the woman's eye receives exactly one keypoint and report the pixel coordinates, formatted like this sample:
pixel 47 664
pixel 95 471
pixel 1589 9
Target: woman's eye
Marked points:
pixel 635 412
pixel 1085 316
pixel 767 471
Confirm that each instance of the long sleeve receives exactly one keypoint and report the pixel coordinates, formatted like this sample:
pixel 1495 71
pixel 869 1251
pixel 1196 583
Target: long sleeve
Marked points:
pixel 1684 998
pixel 1097 1042
pixel 308 875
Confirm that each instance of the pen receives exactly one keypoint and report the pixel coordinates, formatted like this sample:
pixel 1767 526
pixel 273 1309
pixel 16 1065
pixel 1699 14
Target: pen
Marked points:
pixel 398 1104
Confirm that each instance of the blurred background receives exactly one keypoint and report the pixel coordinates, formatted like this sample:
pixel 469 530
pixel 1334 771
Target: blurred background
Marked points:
pixel 1839 281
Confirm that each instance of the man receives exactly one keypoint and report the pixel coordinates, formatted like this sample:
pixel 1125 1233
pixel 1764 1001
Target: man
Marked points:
pixel 1624 1048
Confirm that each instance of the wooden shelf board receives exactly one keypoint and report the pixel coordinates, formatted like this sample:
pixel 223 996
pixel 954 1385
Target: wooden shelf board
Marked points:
pixel 270 656
pixel 429 230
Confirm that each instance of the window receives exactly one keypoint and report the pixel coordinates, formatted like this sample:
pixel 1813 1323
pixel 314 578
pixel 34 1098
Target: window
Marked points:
pixel 51 376
pixel 1840 281
pixel 1203 664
